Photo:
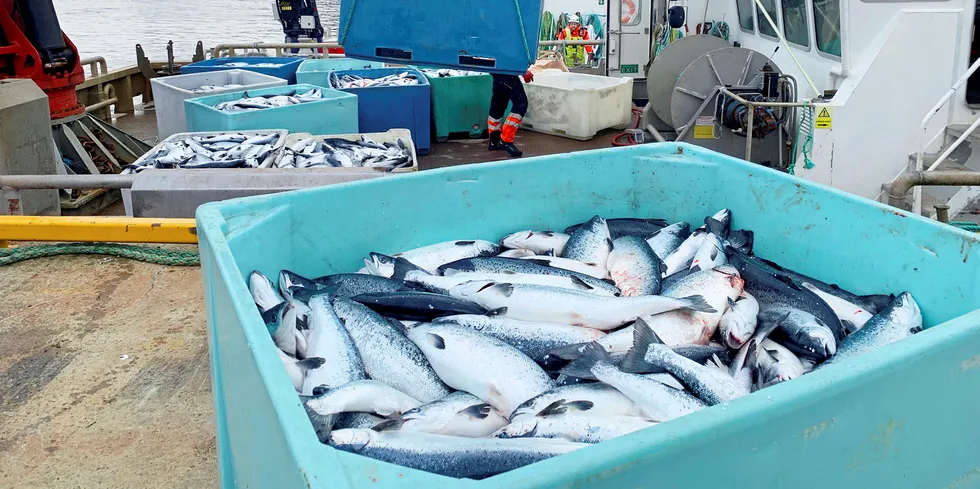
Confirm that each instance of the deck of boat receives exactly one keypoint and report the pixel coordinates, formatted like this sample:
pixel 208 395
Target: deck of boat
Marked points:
pixel 104 373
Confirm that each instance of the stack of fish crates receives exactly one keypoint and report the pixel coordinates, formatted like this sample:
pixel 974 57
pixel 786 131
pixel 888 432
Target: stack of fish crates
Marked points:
pixel 336 113
pixel 282 67
pixel 394 107
pixel 460 104
pixel 170 92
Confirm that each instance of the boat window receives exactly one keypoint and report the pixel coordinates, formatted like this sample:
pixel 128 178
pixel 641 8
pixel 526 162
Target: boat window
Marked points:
pixel 764 27
pixel 796 23
pixel 826 23
pixel 745 18
pixel 631 12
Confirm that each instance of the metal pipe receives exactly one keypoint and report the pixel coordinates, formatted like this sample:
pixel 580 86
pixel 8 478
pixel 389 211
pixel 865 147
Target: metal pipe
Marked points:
pixel 742 101
pixel 216 51
pixel 901 185
pixel 66 181
pixel 845 42
pixel 96 62
pixel 582 42
pixel 656 134
pixel 942 213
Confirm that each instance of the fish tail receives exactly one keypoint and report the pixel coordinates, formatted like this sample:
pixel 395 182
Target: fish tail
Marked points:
pixel 569 352
pixel 697 303
pixel 592 356
pixel 389 425
pixel 643 337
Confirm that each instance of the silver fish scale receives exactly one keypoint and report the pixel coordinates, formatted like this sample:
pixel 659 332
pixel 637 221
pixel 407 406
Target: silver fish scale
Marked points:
pixel 668 239
pixel 634 267
pixel 590 244
pixel 472 361
pixel 343 364
pixel 654 399
pixel 581 428
pixel 499 265
pixel 708 384
pixel 388 355
pixel 901 319
pixel 536 340
pixel 472 458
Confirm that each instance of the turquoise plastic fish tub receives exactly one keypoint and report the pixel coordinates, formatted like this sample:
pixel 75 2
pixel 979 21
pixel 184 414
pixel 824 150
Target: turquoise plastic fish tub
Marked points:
pixel 336 113
pixel 317 71
pixel 903 417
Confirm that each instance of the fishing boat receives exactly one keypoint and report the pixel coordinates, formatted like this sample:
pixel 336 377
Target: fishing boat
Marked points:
pixel 851 94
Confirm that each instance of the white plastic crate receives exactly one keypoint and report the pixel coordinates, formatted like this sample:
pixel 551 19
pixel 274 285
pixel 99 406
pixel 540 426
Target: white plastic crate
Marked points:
pixel 577 106
pixel 265 163
pixel 391 136
pixel 170 92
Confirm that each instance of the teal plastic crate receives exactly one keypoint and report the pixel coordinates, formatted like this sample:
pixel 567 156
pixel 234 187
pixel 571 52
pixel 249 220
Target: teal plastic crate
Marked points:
pixel 903 417
pixel 335 114
pixel 460 105
pixel 317 71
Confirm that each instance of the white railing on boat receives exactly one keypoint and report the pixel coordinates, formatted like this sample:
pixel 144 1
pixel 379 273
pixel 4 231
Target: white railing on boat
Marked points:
pixel 920 156
pixel 231 49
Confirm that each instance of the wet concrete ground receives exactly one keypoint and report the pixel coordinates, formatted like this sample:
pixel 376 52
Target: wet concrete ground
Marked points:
pixel 104 376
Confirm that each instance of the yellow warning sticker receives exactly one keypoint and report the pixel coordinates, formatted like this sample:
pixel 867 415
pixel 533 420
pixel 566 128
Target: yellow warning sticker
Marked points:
pixel 704 128
pixel 825 118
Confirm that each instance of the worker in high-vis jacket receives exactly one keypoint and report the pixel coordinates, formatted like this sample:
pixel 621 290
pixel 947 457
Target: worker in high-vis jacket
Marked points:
pixel 575 55
pixel 507 89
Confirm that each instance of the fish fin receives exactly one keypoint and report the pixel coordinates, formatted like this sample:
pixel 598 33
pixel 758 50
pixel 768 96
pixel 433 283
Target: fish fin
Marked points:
pixel 763 332
pixel 771 264
pixel 716 227
pixel 544 263
pixel 578 405
pixel 311 363
pixel 303 323
pixel 592 355
pixel 643 337
pixel 495 396
pixel 477 411
pixel 389 425
pixel 609 242
pixel 402 267
pixel 506 289
pixel 849 326
pixel 547 233
pixel 500 311
pixel 697 303
pixel 569 352
pixel 742 240
pixel 436 341
pixel 581 283
pixel 788 281
pixel 550 252
pixel 714 254
pixel 272 315
pixel 464 243
pixel 731 303
pixel 608 281
pixel 508 272
pixel 557 407
pixel 752 363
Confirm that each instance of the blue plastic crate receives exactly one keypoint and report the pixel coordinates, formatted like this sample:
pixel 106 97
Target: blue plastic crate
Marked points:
pixel 286 70
pixel 335 114
pixel 902 417
pixel 317 71
pixel 383 108
pixel 498 37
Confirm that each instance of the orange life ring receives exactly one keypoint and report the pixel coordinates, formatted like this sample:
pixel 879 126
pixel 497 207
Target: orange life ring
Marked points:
pixel 630 11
